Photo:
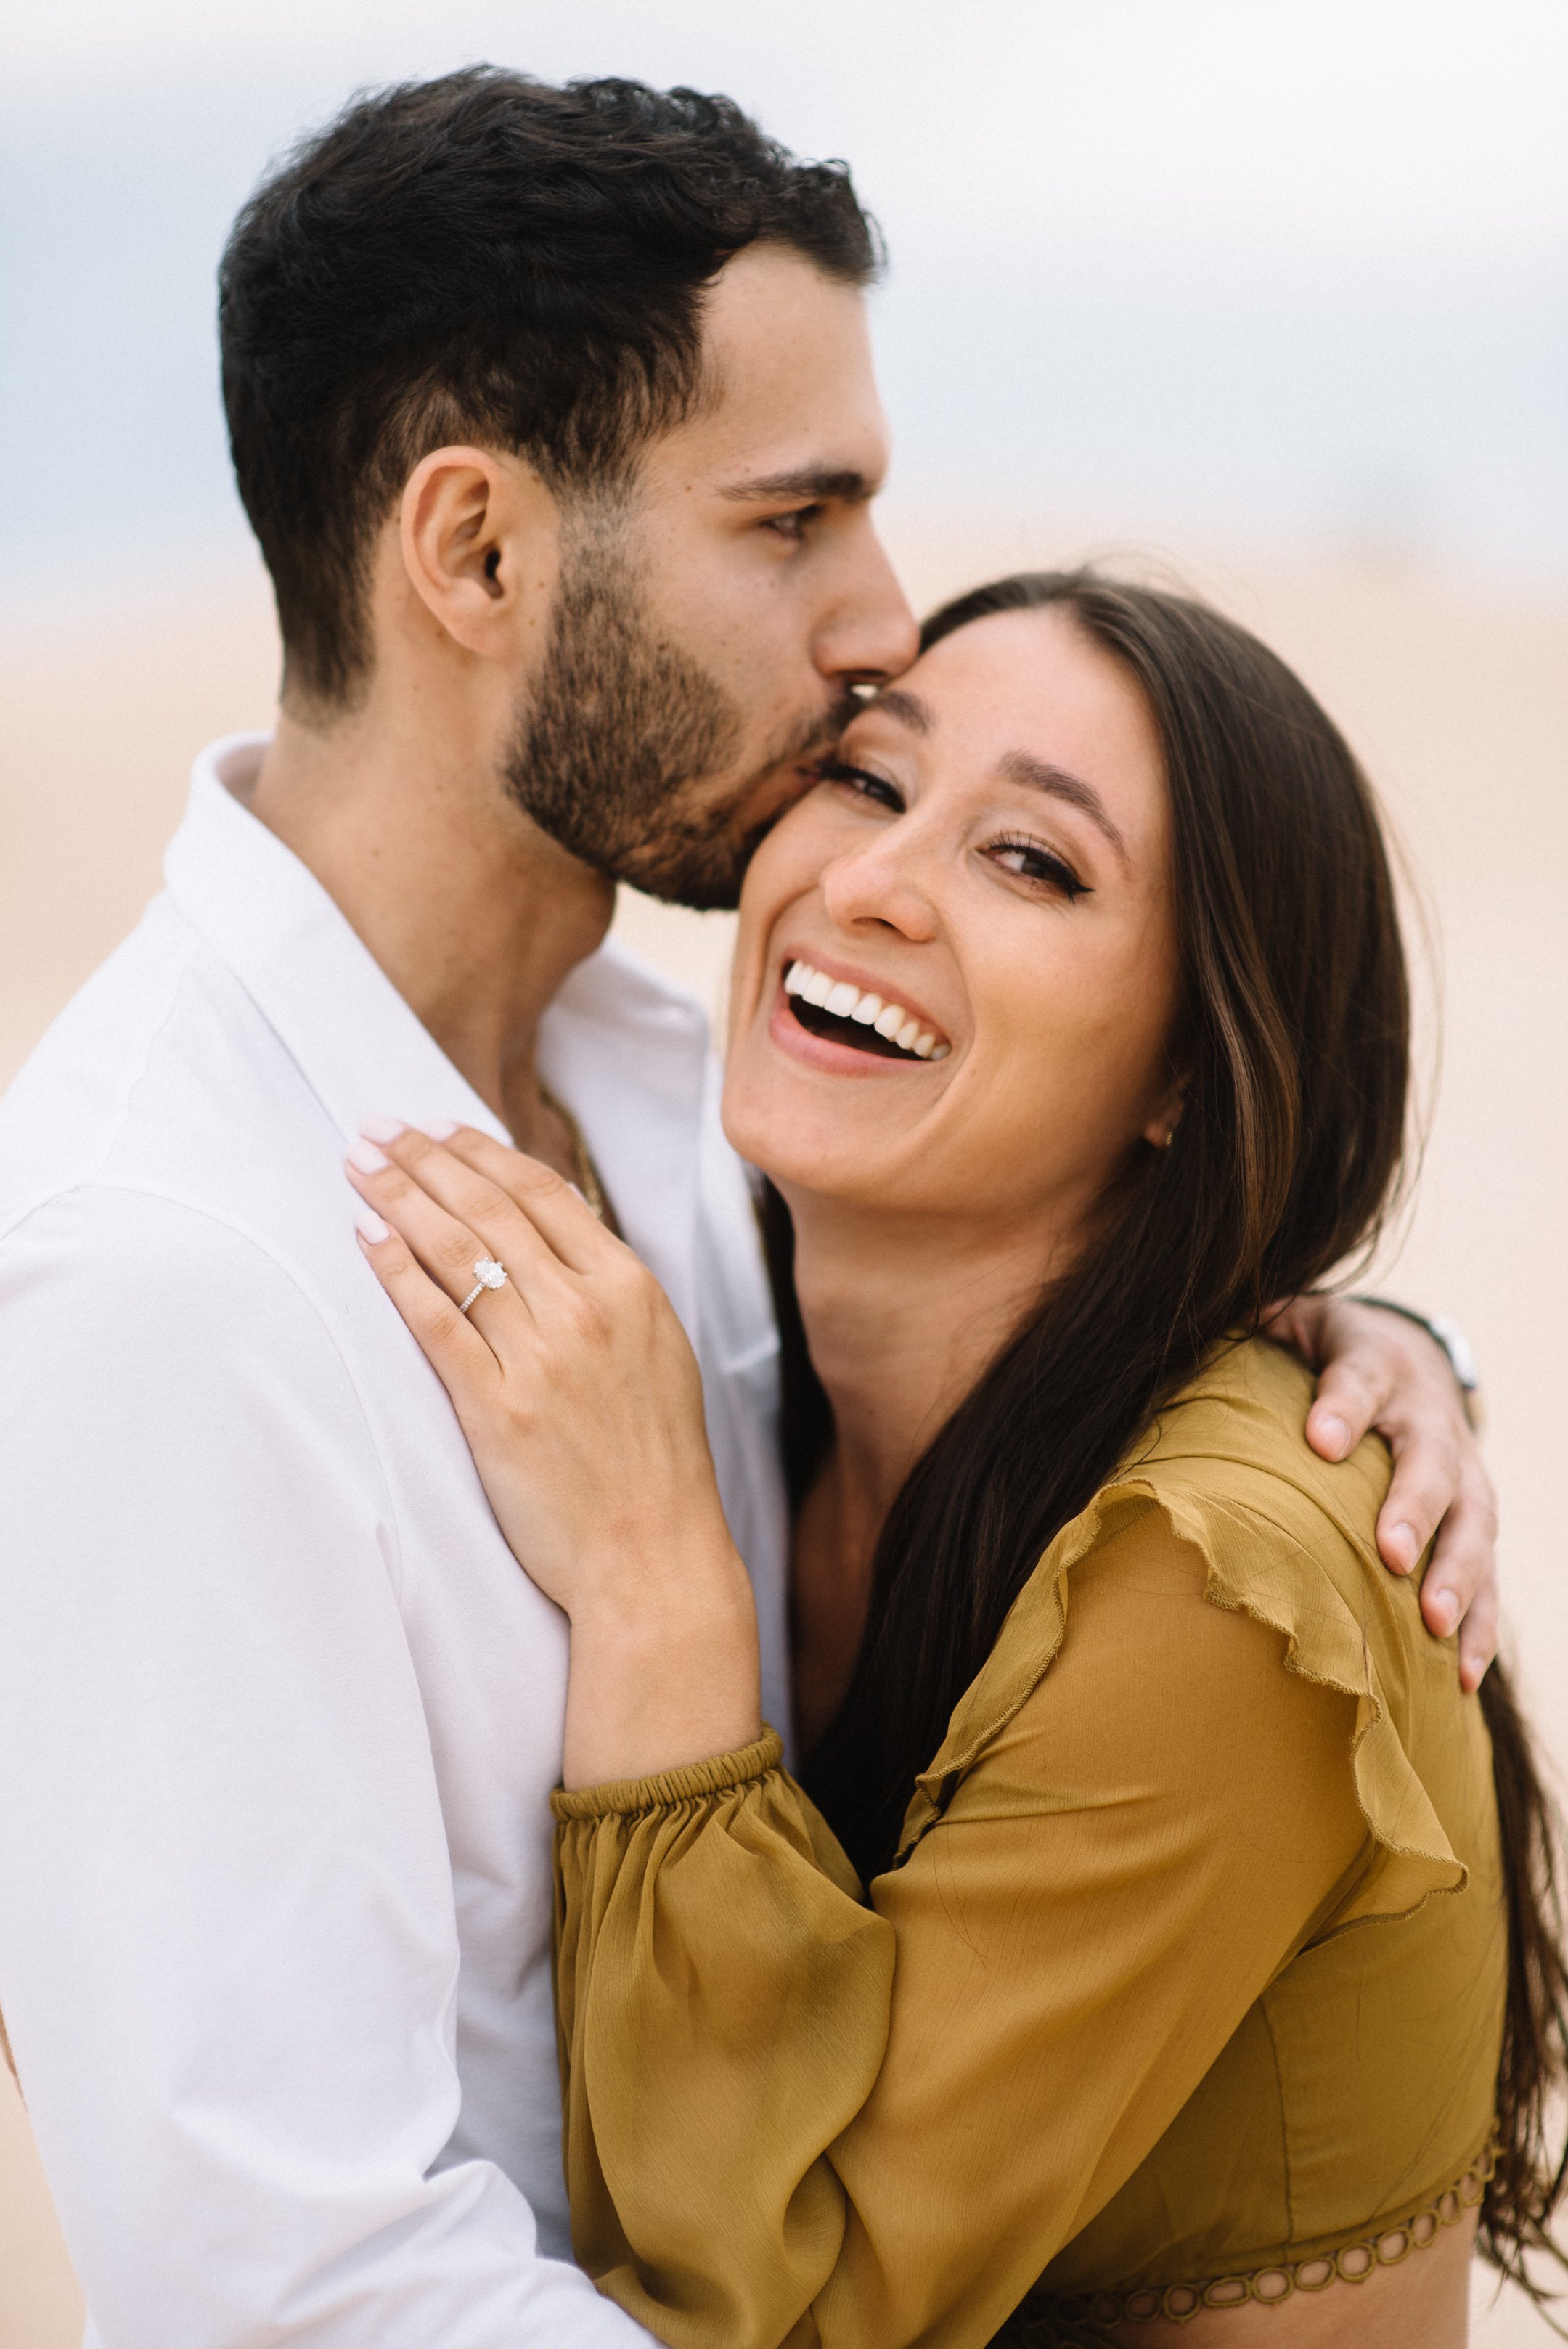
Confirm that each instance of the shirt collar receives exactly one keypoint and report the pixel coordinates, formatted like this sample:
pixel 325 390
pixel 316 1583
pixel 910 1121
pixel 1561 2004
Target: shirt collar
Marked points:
pixel 355 1040
pixel 622 1047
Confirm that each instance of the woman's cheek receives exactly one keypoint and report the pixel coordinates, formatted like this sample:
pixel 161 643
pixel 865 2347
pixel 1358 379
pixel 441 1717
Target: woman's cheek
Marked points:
pixel 1051 1047
pixel 776 873
pixel 790 858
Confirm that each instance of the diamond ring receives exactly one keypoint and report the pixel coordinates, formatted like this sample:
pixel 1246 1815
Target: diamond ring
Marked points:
pixel 487 1273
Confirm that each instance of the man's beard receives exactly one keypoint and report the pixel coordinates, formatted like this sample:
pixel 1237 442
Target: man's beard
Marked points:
pixel 624 730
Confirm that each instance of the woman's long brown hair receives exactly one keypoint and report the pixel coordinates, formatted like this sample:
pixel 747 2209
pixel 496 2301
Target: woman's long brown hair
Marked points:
pixel 1293 1050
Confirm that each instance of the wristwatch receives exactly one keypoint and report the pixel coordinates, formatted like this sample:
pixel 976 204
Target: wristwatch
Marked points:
pixel 1454 1343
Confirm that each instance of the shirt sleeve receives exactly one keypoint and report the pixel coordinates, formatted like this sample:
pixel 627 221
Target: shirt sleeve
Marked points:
pixel 228 1948
pixel 798 2116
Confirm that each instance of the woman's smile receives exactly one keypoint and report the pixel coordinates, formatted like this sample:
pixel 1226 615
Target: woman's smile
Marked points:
pixel 844 1024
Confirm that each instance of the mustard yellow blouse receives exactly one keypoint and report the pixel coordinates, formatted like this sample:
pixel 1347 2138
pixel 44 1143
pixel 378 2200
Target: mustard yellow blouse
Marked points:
pixel 1189 1973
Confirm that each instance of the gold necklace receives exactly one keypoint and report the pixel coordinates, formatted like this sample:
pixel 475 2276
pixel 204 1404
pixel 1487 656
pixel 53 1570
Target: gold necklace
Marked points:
pixel 585 1173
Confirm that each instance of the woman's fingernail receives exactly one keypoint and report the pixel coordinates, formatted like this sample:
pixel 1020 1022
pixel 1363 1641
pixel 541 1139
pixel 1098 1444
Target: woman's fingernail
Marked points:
pixel 370 1227
pixel 366 1157
pixel 1403 1543
pixel 441 1129
pixel 383 1129
pixel 1445 1612
pixel 1335 1435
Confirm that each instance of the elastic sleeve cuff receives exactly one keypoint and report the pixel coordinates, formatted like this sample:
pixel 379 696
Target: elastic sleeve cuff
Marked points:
pixel 620 1797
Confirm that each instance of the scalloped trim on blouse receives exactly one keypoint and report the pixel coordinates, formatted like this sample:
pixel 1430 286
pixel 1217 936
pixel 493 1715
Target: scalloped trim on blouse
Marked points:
pixel 1074 2323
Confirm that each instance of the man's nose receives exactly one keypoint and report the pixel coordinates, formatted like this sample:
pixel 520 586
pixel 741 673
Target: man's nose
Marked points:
pixel 871 634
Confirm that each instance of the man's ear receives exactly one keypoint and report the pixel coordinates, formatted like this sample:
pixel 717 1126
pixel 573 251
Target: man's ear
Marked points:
pixel 479 533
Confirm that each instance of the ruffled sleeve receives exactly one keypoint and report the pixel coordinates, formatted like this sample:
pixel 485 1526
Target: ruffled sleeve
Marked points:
pixel 798 2114
pixel 1337 1613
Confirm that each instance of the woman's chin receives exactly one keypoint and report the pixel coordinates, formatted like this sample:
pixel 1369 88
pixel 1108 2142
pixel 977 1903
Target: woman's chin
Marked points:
pixel 799 1101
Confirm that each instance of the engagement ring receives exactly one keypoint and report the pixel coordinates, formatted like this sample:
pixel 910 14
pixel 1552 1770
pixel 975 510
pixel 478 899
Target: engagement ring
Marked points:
pixel 487 1273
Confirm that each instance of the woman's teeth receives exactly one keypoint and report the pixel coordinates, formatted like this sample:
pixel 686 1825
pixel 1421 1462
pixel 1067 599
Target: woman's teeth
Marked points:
pixel 840 1000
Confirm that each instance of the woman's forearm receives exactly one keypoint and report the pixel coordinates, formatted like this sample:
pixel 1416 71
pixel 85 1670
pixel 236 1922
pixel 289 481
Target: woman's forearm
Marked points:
pixel 665 1672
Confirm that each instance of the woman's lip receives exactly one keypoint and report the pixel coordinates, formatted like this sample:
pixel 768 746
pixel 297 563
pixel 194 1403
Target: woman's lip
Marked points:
pixel 867 984
pixel 835 1060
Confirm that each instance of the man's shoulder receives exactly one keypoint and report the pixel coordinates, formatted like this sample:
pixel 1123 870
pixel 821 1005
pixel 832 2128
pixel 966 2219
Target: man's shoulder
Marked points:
pixel 118 1298
pixel 135 1086
pixel 163 1169
pixel 62 1109
pixel 130 1319
pixel 134 1244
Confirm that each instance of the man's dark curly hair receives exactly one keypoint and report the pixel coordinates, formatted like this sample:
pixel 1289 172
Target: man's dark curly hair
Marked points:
pixel 483 257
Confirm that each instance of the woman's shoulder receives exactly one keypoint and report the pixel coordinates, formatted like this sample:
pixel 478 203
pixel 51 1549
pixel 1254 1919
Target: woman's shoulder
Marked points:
pixel 1225 1473
pixel 1225 1485
pixel 1234 1439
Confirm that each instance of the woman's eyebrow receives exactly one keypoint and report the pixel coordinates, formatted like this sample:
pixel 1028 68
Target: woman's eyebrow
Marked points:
pixel 906 707
pixel 1022 767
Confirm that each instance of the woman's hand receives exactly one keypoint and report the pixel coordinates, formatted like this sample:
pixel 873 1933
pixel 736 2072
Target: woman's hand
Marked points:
pixel 582 1402
pixel 1377 1369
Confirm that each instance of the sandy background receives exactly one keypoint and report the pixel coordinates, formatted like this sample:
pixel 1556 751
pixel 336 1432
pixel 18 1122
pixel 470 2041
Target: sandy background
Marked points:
pixel 1457 704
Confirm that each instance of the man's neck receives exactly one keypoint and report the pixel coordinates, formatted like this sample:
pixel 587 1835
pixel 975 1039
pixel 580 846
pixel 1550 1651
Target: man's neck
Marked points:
pixel 473 914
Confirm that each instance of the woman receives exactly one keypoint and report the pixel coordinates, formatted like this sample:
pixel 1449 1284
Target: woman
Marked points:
pixel 1144 1940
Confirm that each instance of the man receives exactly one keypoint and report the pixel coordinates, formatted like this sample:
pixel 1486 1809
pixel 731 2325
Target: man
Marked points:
pixel 553 415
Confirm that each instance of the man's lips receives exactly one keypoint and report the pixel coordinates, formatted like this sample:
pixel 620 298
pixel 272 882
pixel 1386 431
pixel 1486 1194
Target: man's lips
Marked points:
pixel 858 1018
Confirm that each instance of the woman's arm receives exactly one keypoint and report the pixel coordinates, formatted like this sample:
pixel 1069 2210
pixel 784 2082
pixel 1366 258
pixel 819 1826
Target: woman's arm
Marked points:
pixel 795 2117
pixel 582 1402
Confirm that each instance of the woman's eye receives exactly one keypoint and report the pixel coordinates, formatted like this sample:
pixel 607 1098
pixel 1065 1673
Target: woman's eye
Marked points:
pixel 792 526
pixel 863 783
pixel 1032 861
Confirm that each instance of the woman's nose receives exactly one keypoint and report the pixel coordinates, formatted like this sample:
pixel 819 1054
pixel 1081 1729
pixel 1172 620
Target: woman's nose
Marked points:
pixel 879 883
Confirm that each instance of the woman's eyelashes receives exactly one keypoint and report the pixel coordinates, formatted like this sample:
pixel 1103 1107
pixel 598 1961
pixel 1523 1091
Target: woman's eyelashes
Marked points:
pixel 863 783
pixel 1028 860
pixel 1033 861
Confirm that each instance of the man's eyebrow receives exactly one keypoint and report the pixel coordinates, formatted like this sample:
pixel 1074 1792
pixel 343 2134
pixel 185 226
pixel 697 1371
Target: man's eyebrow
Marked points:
pixel 845 482
pixel 1022 767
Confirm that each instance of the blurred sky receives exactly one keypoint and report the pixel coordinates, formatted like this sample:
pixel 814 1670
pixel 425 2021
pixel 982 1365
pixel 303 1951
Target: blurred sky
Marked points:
pixel 1285 272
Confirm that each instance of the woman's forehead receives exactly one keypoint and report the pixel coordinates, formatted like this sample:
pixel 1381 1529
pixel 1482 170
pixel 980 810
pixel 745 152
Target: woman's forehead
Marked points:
pixel 1020 690
pixel 1041 664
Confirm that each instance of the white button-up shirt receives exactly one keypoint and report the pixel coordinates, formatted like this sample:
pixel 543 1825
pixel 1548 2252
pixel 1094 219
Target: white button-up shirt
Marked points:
pixel 279 1713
